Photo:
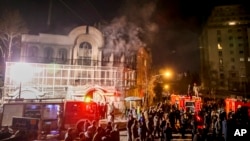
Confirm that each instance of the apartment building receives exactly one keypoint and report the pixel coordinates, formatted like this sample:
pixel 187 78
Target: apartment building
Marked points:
pixel 225 52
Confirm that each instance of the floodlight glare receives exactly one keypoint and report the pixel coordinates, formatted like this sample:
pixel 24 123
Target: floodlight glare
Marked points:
pixel 21 72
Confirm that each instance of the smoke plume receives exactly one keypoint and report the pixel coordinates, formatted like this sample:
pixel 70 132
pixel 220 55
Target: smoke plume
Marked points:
pixel 132 30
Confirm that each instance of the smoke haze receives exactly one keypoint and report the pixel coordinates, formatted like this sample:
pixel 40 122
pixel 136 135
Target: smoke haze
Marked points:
pixel 132 30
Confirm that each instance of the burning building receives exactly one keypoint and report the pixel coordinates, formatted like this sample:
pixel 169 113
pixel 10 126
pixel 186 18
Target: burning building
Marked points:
pixel 85 62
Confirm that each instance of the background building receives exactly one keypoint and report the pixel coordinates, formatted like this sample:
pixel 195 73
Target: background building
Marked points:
pixel 225 54
pixel 71 66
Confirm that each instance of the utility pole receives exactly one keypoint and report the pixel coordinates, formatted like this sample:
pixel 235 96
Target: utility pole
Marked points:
pixel 49 13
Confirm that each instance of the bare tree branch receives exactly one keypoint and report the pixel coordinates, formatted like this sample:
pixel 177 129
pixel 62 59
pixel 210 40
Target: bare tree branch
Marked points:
pixel 12 26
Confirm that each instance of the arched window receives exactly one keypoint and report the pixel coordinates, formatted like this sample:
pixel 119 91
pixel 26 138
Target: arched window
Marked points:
pixel 48 54
pixel 117 59
pixel 85 53
pixel 32 54
pixel 105 58
pixel 32 51
pixel 62 54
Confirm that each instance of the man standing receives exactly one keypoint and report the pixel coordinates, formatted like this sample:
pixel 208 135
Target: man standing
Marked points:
pixel 129 126
pixel 224 128
pixel 196 90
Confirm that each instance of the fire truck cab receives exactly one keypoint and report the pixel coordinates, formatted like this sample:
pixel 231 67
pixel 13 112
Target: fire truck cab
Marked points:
pixel 47 116
pixel 187 103
pixel 232 104
pixel 75 111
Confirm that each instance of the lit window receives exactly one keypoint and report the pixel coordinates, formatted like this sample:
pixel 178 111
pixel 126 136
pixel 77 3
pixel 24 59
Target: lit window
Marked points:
pixel 85 53
pixel 221 61
pixel 85 49
pixel 232 23
pixel 219 46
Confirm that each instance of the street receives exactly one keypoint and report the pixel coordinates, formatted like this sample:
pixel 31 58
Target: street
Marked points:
pixel 176 137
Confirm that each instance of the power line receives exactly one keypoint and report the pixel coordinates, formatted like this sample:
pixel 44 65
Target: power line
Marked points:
pixel 73 11
pixel 97 12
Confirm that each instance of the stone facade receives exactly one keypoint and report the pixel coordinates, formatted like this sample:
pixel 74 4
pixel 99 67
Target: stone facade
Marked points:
pixel 71 64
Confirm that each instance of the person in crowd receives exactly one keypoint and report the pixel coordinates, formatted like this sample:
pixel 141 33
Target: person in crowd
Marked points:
pixel 224 128
pixel 218 129
pixel 183 125
pixel 150 127
pixel 156 126
pixel 107 135
pixel 86 125
pixel 134 129
pixel 194 126
pixel 98 135
pixel 167 132
pixel 134 112
pixel 142 128
pixel 82 137
pixel 115 134
pixel 109 126
pixel 103 110
pixel 19 135
pixel 87 136
pixel 69 136
pixel 129 127
pixel 92 128
pixel 172 119
pixel 111 112
pixel 214 119
pixel 198 136
pixel 177 116
pixel 80 126
pixel 5 132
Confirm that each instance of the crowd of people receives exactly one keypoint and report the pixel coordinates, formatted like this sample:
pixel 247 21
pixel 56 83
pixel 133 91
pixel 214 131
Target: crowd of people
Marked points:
pixel 211 123
pixel 160 122
pixel 90 131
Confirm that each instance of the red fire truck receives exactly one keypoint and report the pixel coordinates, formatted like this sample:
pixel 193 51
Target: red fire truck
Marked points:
pixel 187 103
pixel 46 115
pixel 233 104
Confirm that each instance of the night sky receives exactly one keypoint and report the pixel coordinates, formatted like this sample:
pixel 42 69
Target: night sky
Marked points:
pixel 169 27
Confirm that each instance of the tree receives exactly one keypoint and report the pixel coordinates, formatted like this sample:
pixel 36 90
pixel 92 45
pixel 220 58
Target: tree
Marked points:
pixel 12 26
pixel 158 90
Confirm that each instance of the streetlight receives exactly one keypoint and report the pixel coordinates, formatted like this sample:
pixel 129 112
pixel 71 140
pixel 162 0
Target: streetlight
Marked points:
pixel 166 74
